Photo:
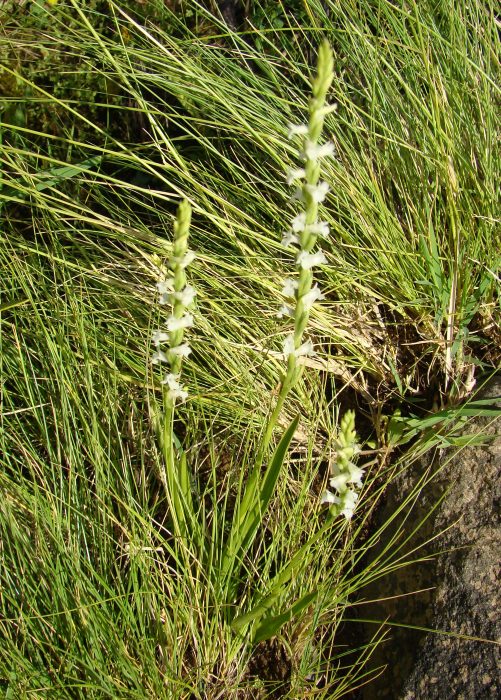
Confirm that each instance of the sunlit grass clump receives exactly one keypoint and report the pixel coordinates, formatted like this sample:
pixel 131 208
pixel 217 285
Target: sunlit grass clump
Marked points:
pixel 237 271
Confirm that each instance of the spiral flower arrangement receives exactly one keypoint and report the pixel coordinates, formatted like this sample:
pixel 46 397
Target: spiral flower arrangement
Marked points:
pixel 178 295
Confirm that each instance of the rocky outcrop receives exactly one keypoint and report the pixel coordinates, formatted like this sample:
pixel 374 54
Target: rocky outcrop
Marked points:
pixel 231 11
pixel 462 599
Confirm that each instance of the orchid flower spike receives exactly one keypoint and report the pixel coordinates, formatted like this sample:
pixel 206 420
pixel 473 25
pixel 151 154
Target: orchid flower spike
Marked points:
pixel 174 291
pixel 305 226
pixel 347 476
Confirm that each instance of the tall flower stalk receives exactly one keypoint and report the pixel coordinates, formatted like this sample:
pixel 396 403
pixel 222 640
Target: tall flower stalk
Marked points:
pixel 306 228
pixel 171 349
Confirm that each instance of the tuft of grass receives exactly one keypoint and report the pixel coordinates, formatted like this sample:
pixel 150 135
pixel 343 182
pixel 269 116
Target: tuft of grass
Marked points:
pixel 94 599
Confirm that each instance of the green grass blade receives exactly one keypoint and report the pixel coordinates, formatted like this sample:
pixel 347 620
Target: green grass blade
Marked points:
pixel 272 625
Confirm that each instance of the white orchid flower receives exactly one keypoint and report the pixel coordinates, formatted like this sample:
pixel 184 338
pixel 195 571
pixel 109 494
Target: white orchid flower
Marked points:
pixel 309 260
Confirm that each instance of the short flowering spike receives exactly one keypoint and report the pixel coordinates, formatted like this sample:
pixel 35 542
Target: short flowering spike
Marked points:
pixel 345 472
pixel 305 226
pixel 325 72
pixel 347 437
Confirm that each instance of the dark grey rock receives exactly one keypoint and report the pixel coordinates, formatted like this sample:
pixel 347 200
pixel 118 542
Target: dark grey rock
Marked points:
pixel 231 11
pixel 464 580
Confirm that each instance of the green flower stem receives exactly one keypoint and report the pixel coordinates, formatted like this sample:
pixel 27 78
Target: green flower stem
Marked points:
pixel 171 485
pixel 290 378
pixel 179 250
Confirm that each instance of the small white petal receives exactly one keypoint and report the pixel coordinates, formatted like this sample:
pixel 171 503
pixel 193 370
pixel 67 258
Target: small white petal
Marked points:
pixel 318 192
pixel 340 481
pixel 188 258
pixel 320 228
pixel 182 350
pixel 290 287
pixel 295 174
pixel 348 501
pixel 171 380
pixel 356 475
pixel 305 349
pixel 188 295
pixel 345 502
pixel 298 195
pixel 288 346
pixel 159 337
pixel 285 311
pixel 328 497
pixel 165 286
pixel 175 324
pixel 158 356
pixel 184 261
pixel 309 260
pixel 289 239
pixel 348 512
pixel 176 391
pixel 350 498
pixel 296 130
pixel 185 296
pixel 312 296
pixel 299 222
pixel 313 151
pixel 329 108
